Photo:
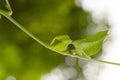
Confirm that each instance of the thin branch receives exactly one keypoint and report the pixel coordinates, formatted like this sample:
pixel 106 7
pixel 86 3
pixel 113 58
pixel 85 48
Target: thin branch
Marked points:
pixel 26 31
pixel 21 27
pixel 5 14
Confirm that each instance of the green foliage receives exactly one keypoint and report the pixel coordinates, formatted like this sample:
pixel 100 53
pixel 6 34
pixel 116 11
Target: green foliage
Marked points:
pixel 90 46
pixel 0 16
pixel 83 47
pixel 61 43
pixel 25 56
pixel 49 18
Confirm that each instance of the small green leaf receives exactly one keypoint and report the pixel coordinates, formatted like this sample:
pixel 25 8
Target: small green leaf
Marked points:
pixel 90 46
pixel 61 43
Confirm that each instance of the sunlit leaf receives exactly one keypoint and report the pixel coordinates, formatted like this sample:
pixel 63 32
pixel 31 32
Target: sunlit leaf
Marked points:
pixel 61 43
pixel 90 46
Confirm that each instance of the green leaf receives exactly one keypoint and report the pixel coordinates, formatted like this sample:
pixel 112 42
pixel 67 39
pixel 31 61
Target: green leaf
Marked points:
pixel 61 43
pixel 90 46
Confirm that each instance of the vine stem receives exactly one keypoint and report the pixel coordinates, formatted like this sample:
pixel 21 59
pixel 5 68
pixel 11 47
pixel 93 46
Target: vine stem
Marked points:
pixel 22 28
pixel 5 14
pixel 8 7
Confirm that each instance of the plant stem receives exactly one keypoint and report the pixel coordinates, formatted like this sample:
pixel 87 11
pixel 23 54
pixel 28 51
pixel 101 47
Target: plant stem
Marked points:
pixel 96 60
pixel 22 28
pixel 5 14
pixel 8 7
pixel 107 62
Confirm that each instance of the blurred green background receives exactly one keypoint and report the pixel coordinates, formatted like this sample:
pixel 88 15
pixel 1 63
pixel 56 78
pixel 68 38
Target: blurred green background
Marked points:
pixel 20 55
